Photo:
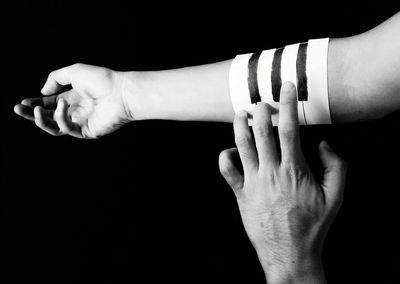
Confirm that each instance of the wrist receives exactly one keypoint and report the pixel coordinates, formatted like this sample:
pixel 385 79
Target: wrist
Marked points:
pixel 313 274
pixel 292 267
pixel 304 272
pixel 136 95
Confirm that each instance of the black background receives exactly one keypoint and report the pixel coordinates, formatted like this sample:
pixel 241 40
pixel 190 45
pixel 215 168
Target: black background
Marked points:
pixel 147 204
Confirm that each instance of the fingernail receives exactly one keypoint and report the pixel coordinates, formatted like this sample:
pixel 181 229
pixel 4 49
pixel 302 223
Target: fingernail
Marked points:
pixel 287 86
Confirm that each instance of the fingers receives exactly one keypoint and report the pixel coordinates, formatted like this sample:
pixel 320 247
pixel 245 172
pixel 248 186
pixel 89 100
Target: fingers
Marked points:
pixel 46 102
pixel 244 142
pixel 288 125
pixel 24 111
pixel 53 122
pixel 334 174
pixel 44 120
pixel 57 79
pixel 229 171
pixel 25 108
pixel 264 136
pixel 65 125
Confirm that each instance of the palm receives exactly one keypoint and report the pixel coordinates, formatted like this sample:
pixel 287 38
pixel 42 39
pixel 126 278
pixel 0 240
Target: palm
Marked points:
pixel 97 111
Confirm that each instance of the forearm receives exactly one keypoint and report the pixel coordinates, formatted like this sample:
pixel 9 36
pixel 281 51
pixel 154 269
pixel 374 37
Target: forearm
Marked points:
pixel 199 93
pixel 363 83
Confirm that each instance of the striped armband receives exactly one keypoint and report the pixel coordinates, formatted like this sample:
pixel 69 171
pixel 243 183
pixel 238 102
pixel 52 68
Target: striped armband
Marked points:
pixel 258 77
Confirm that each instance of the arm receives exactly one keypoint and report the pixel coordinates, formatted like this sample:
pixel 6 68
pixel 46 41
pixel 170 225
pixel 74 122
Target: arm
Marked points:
pixel 364 74
pixel 190 93
pixel 285 211
pixel 363 83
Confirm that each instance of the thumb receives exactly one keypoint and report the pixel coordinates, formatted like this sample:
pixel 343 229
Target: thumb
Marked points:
pixel 334 174
pixel 57 79
pixel 229 171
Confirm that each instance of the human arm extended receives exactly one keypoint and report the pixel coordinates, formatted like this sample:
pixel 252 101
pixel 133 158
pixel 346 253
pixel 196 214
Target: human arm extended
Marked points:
pixel 363 84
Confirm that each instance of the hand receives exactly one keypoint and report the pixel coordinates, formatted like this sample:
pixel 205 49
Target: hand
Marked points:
pixel 95 106
pixel 286 212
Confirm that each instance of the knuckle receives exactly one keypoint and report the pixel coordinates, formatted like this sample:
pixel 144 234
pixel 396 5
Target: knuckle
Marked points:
pixel 262 131
pixel 238 118
pixel 270 177
pixel 108 74
pixel 294 171
pixel 242 141
pixel 288 132
pixel 51 74
pixel 77 65
pixel 247 155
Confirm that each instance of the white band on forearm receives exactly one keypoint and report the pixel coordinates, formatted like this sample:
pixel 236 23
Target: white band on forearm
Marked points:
pixel 257 77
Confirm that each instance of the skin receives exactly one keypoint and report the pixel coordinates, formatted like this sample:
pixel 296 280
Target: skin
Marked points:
pixel 92 108
pixel 286 212
pixel 362 86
